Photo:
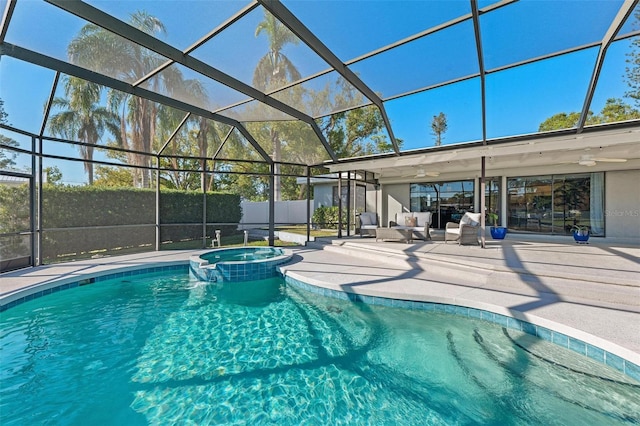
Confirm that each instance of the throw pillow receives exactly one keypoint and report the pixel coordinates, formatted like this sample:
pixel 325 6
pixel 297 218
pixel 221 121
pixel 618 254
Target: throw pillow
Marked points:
pixel 411 221
pixel 474 219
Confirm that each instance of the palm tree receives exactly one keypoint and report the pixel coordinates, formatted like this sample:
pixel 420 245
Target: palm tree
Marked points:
pixel 82 118
pixel 274 68
pixel 439 126
pixel 96 48
pixel 272 71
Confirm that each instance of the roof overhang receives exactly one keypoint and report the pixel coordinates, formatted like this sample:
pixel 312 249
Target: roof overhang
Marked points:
pixel 563 150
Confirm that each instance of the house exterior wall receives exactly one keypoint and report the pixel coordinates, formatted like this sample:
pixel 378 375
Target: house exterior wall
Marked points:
pixel 395 199
pixel 372 200
pixel 322 195
pixel 622 205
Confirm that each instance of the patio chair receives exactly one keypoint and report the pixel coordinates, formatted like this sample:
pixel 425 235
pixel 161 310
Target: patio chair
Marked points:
pixel 465 232
pixel 366 224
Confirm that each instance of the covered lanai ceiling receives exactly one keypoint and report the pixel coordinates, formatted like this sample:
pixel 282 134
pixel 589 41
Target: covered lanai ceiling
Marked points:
pixel 479 62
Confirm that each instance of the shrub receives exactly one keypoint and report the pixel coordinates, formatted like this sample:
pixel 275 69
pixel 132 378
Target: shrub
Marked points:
pixel 327 217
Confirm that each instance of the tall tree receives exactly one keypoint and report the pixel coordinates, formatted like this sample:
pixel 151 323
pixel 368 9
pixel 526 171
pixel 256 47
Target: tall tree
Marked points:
pixel 439 127
pixel 7 158
pixel 273 70
pixel 96 48
pixel 82 118
pixel 633 67
pixel 356 132
pixel 614 110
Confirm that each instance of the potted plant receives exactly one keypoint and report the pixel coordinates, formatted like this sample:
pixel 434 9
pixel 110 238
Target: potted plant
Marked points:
pixel 580 234
pixel 497 232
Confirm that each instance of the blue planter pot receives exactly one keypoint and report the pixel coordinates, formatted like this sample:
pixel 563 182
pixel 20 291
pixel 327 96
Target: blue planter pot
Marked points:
pixel 498 232
pixel 581 237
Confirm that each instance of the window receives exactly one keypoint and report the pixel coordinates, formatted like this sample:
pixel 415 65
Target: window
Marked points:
pixel 554 204
pixel 448 201
pixel 492 197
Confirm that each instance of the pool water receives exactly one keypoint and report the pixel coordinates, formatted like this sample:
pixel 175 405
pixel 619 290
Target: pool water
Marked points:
pixel 244 254
pixel 158 349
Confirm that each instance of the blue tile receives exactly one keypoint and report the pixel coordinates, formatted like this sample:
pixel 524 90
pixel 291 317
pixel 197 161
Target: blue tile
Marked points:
pixel 406 304
pixel 577 346
pixel 560 339
pixel 632 370
pixel 488 316
pixel 614 361
pixel 386 302
pixel 595 353
pixel 339 295
pixel 501 320
pixel 529 328
pixel 475 313
pixel 514 324
pixel 545 334
pixel 463 311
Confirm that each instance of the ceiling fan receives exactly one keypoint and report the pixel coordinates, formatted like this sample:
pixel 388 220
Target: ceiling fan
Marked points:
pixel 421 172
pixel 589 160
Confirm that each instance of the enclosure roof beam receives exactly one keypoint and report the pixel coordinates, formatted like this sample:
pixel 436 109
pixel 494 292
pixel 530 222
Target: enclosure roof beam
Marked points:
pixel 284 15
pixel 6 18
pixel 49 104
pixel 103 80
pixel 616 25
pixel 116 26
pixel 481 68
pixel 174 133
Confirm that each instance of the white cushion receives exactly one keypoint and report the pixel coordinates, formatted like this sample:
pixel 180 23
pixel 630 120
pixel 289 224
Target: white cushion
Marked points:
pixel 368 218
pixel 472 219
pixel 401 218
pixel 423 218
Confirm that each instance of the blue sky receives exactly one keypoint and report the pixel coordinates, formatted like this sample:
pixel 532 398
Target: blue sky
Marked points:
pixel 517 101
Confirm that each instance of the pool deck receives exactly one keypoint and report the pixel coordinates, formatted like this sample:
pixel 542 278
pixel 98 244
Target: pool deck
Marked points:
pixel 589 292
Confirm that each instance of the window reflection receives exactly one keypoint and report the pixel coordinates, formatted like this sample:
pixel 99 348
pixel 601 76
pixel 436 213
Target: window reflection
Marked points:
pixel 555 204
pixel 448 201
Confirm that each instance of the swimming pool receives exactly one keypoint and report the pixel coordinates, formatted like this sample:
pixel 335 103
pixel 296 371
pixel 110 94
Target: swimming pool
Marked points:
pixel 160 348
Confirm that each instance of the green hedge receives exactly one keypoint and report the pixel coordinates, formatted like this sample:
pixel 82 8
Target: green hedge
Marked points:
pixel 327 217
pixel 71 207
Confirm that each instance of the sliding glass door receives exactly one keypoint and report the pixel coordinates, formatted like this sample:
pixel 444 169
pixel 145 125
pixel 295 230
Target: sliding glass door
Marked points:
pixel 448 201
pixel 554 204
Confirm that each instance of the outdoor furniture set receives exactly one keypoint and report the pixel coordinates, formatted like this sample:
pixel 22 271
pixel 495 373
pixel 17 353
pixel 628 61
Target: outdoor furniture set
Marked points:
pixel 409 226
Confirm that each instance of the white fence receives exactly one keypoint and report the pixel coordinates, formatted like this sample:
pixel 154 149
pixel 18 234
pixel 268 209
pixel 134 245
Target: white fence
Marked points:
pixel 256 214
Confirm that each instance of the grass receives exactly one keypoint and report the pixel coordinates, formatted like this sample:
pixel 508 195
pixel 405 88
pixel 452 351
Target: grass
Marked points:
pixel 233 240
